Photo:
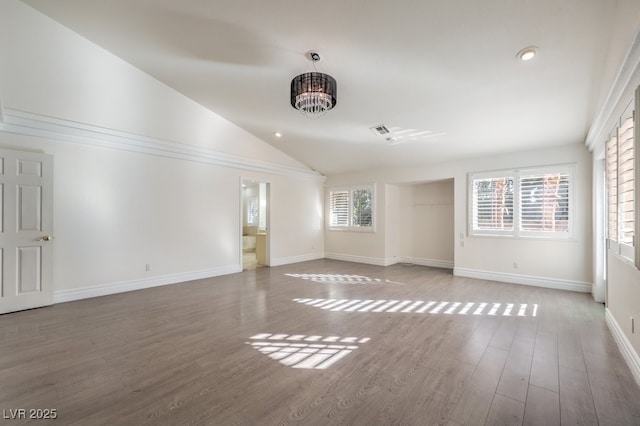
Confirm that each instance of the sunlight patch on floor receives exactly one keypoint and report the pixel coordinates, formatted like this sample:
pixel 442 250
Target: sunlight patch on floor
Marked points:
pixel 302 351
pixel 341 279
pixel 422 307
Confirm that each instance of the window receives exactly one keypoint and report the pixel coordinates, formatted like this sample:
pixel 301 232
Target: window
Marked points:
pixel 544 202
pixel 339 208
pixel 493 204
pixel 252 211
pixel 361 213
pixel 621 165
pixel 351 208
pixel 525 203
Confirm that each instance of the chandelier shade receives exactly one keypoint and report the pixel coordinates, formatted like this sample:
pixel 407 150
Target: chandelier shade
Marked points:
pixel 313 93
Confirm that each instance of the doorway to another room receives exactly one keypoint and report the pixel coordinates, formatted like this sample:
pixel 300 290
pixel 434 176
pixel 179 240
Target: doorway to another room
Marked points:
pixel 255 219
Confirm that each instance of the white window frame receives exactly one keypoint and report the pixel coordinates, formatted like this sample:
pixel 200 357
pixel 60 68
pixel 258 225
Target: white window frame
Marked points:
pixel 350 226
pixel 517 175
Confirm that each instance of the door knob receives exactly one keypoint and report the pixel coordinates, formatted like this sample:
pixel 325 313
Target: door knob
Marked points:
pixel 46 238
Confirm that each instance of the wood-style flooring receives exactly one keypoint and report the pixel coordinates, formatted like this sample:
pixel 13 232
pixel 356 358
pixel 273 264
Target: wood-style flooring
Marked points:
pixel 320 343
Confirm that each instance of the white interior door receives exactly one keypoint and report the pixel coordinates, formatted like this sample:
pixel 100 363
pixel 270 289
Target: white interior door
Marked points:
pixel 26 226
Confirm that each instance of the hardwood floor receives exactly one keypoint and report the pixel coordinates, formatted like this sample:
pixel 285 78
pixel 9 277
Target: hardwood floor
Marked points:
pixel 320 343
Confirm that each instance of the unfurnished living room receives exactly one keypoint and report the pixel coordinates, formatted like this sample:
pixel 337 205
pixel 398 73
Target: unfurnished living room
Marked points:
pixel 361 213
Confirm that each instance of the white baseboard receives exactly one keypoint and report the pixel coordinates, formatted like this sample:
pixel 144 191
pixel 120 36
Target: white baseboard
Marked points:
pixel 558 284
pixel 629 354
pixel 295 259
pixel 361 259
pixel 124 286
pixel 434 263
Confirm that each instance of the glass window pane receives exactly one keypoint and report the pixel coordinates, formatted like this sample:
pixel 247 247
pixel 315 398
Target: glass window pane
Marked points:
pixel 362 208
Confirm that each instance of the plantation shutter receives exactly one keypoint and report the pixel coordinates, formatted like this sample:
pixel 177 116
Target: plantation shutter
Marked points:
pixel 544 202
pixel 339 208
pixel 626 183
pixel 612 188
pixel 492 204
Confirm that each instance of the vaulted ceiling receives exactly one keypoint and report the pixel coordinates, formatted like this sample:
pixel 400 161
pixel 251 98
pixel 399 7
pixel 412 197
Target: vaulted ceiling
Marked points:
pixel 441 75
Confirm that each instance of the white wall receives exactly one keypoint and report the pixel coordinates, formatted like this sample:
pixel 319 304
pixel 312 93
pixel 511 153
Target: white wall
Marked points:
pixel 623 301
pixel 491 257
pixel 142 175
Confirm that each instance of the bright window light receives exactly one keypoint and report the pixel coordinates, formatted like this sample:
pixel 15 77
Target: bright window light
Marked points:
pixel 319 356
pixel 341 279
pixel 421 307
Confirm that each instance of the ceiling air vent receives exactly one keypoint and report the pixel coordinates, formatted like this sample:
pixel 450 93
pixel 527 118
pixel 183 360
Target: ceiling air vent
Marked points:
pixel 380 130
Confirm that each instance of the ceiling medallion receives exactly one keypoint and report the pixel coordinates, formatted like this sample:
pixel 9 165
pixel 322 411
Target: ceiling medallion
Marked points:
pixel 313 93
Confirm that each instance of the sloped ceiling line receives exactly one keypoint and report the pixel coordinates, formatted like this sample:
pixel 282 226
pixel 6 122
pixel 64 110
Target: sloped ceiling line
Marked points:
pixel 31 124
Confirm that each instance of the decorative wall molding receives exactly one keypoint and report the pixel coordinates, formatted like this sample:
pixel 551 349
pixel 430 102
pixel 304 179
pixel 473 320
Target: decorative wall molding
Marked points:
pixel 434 263
pixel 558 284
pixel 62 296
pixel 628 352
pixel 626 80
pixel 30 124
pixel 361 259
pixel 296 259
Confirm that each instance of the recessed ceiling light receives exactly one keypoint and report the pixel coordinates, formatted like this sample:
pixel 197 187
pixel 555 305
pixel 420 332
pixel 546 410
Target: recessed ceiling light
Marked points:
pixel 277 134
pixel 527 54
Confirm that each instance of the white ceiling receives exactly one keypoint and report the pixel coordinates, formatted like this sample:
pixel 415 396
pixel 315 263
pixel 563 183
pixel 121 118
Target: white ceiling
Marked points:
pixel 448 67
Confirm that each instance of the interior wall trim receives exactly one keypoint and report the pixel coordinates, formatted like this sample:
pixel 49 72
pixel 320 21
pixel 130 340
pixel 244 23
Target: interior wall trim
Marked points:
pixel 31 124
pixel 627 79
pixel 361 259
pixel 296 259
pixel 62 296
pixel 555 283
pixel 433 263
pixel 628 352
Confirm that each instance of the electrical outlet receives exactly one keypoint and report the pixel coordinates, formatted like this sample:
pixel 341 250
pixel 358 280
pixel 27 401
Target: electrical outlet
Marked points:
pixel 515 265
pixel 147 267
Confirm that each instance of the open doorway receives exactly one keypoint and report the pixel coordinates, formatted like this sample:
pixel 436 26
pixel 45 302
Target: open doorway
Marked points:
pixel 425 218
pixel 255 220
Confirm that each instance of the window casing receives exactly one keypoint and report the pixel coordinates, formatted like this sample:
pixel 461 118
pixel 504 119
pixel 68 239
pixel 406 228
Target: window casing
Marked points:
pixel 352 208
pixel 522 203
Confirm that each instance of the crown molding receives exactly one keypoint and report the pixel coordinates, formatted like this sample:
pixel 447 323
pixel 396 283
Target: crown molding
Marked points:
pixel 627 79
pixel 32 124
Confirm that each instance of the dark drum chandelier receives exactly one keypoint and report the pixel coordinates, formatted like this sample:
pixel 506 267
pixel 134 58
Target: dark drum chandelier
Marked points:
pixel 313 93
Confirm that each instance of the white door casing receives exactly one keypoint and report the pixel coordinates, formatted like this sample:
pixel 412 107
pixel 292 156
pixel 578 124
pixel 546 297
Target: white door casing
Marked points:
pixel 26 230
